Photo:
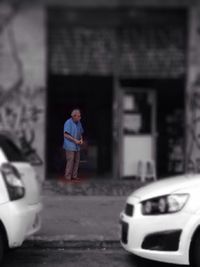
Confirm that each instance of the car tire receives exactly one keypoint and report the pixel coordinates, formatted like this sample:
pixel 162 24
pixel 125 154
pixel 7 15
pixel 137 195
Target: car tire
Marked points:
pixel 2 246
pixel 195 255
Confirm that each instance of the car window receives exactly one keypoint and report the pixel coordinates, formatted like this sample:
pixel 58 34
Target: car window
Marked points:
pixel 12 152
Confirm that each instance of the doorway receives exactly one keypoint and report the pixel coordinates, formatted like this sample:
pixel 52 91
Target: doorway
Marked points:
pixel 168 133
pixel 93 95
pixel 138 129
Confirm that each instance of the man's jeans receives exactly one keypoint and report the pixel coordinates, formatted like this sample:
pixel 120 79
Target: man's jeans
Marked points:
pixel 72 165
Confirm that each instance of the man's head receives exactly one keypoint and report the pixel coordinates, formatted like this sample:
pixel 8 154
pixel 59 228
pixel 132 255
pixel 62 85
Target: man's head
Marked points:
pixel 76 115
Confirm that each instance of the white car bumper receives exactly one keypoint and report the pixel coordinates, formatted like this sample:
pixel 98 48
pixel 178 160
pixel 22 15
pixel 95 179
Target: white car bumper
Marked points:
pixel 20 221
pixel 159 238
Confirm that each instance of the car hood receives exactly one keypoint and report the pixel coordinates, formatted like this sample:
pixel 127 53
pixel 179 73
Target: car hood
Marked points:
pixel 166 186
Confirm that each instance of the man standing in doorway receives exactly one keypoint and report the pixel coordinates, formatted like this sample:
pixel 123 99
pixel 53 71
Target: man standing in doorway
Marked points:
pixel 73 139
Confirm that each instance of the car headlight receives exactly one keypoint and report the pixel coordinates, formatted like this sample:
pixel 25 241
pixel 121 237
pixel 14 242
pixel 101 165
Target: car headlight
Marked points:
pixel 164 204
pixel 13 181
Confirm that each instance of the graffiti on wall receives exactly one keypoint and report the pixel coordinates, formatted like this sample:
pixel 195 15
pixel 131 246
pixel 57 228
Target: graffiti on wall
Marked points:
pixel 193 129
pixel 21 105
pixel 20 117
pixel 193 98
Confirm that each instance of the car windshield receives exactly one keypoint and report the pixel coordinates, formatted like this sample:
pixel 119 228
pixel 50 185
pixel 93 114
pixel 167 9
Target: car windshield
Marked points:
pixel 12 152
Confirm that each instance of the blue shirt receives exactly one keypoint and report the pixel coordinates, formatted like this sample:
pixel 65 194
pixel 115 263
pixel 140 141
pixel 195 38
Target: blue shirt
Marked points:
pixel 76 131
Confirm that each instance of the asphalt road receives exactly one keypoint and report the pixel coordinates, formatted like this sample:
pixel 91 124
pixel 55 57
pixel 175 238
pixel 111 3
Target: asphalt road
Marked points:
pixel 26 257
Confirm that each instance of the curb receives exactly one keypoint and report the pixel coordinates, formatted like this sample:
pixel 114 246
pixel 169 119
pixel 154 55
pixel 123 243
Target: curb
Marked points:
pixel 86 188
pixel 81 244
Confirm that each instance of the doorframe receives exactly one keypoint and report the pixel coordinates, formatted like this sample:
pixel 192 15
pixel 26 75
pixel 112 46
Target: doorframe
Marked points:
pixel 121 93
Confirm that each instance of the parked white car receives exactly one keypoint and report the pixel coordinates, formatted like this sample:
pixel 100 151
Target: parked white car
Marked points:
pixel 161 221
pixel 20 204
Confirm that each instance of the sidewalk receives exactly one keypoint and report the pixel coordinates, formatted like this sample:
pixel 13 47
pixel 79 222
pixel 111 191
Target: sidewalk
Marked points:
pixel 91 187
pixel 81 217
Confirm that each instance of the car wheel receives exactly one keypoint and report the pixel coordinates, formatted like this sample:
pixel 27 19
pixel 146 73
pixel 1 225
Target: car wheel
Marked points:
pixel 195 255
pixel 2 246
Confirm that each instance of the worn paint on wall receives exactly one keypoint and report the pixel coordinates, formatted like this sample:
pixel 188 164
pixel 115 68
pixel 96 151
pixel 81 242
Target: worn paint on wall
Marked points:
pixel 22 79
pixel 193 94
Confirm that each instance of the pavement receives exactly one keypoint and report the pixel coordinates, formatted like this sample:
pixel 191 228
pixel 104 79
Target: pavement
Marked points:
pixel 81 213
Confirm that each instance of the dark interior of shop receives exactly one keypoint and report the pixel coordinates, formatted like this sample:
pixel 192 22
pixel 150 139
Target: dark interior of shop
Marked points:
pixel 93 96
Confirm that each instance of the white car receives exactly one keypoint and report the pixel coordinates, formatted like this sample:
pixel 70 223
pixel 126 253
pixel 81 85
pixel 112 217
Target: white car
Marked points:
pixel 161 221
pixel 20 204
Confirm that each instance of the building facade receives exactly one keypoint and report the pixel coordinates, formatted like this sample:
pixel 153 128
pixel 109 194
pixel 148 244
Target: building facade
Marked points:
pixel 132 67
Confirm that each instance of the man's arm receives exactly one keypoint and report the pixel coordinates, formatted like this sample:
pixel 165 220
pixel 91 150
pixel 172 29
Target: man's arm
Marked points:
pixel 70 138
pixel 81 141
pixel 82 131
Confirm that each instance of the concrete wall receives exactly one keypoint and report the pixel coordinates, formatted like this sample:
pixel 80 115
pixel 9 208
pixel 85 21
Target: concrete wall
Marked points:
pixel 23 74
pixel 23 78
pixel 193 93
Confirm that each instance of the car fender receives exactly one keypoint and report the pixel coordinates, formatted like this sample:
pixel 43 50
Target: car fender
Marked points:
pixel 7 211
pixel 188 233
pixel 4 220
